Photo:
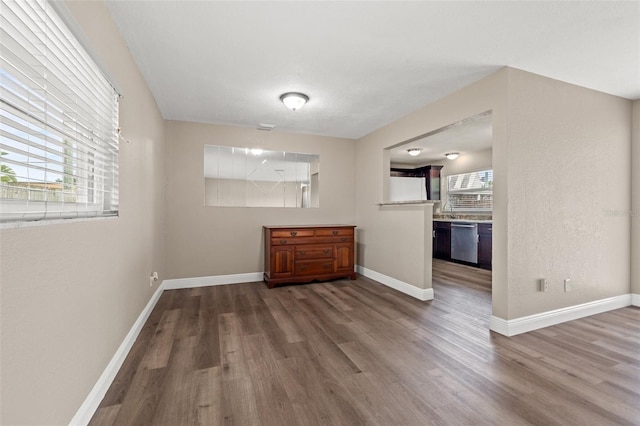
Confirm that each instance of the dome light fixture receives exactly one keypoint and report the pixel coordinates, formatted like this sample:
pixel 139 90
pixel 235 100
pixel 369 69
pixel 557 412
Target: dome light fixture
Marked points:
pixel 414 151
pixel 452 155
pixel 294 100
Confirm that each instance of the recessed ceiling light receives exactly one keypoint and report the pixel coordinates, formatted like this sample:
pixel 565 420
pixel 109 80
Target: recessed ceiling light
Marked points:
pixel 294 100
pixel 414 151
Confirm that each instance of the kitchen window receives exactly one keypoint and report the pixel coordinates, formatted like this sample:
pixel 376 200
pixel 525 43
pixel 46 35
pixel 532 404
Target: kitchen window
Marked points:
pixel 58 121
pixel 471 191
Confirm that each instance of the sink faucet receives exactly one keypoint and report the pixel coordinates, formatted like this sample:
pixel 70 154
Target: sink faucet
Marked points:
pixel 444 209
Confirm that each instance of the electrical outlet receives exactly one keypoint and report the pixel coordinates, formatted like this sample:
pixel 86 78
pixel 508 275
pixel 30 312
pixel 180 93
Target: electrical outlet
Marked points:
pixel 568 285
pixel 543 285
pixel 153 277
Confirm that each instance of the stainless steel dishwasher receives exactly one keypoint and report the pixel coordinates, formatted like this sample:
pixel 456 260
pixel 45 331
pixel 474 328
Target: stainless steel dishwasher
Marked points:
pixel 464 241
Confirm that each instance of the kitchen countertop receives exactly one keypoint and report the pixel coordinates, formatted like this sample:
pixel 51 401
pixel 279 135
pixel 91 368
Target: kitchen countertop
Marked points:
pixel 462 220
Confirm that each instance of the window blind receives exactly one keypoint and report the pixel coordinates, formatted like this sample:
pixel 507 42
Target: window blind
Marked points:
pixel 58 121
pixel 471 191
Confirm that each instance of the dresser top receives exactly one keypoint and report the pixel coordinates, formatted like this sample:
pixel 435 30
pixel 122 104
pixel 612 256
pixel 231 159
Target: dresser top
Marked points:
pixel 306 226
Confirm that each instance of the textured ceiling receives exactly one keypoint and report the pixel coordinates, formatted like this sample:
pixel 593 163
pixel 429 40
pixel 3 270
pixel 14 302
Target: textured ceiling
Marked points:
pixel 470 135
pixel 364 64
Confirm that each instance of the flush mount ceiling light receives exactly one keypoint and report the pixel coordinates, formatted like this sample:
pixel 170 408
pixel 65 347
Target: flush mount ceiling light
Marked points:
pixel 414 151
pixel 452 155
pixel 294 100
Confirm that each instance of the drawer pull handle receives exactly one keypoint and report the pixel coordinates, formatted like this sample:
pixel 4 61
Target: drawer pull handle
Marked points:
pixel 343 239
pixel 303 252
pixel 283 241
pixel 325 251
pixel 303 267
pixel 293 233
pixel 327 266
pixel 335 232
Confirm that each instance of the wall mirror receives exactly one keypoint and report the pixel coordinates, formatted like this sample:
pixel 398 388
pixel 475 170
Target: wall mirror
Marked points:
pixel 243 177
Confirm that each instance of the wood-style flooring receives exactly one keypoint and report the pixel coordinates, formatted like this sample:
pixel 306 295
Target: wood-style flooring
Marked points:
pixel 356 352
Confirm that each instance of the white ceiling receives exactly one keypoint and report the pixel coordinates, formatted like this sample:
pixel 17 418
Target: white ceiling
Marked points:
pixel 471 135
pixel 365 64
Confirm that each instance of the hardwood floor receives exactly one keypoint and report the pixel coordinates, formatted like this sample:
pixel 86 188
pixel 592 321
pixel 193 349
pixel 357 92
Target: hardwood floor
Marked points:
pixel 356 352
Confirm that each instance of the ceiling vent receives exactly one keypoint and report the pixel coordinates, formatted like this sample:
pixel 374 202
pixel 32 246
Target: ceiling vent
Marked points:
pixel 266 126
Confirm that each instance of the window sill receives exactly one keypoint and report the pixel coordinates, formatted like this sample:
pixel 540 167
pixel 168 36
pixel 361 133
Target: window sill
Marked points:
pixel 45 222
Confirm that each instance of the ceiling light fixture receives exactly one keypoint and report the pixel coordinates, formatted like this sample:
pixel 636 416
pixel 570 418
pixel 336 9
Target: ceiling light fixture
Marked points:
pixel 452 155
pixel 414 151
pixel 294 100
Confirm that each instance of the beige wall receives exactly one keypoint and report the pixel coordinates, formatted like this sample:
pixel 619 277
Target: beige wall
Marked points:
pixel 71 292
pixel 394 240
pixel 635 208
pixel 561 166
pixel 568 168
pixel 206 241
pixel 471 162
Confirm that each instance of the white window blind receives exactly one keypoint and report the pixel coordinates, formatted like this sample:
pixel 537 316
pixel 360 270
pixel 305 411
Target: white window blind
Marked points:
pixel 471 191
pixel 58 121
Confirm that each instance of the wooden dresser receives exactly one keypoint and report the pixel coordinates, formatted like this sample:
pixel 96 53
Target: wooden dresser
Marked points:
pixel 294 254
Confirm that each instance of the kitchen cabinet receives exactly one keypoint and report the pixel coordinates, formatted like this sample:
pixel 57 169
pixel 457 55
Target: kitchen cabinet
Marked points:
pixel 442 243
pixel 485 243
pixel 295 254
pixel 431 175
pixel 442 240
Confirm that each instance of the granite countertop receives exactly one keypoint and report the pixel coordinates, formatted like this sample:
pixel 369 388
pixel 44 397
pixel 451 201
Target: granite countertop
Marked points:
pixel 468 218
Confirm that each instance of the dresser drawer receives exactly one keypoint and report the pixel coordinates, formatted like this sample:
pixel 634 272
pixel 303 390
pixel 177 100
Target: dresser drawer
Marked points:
pixel 334 232
pixel 313 267
pixel 310 240
pixel 314 252
pixel 293 233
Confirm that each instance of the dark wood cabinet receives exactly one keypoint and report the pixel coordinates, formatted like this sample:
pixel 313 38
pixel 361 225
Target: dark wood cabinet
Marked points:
pixel 485 243
pixel 308 253
pixel 431 173
pixel 442 240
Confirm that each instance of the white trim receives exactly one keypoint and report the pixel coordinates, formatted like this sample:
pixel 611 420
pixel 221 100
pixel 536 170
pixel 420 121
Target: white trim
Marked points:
pixel 413 291
pixel 635 299
pixel 546 319
pixel 213 280
pixel 93 400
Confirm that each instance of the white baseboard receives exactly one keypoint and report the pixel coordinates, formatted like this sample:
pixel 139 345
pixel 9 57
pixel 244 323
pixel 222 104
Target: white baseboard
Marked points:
pixel 213 280
pixel 635 299
pixel 93 400
pixel 546 319
pixel 411 290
